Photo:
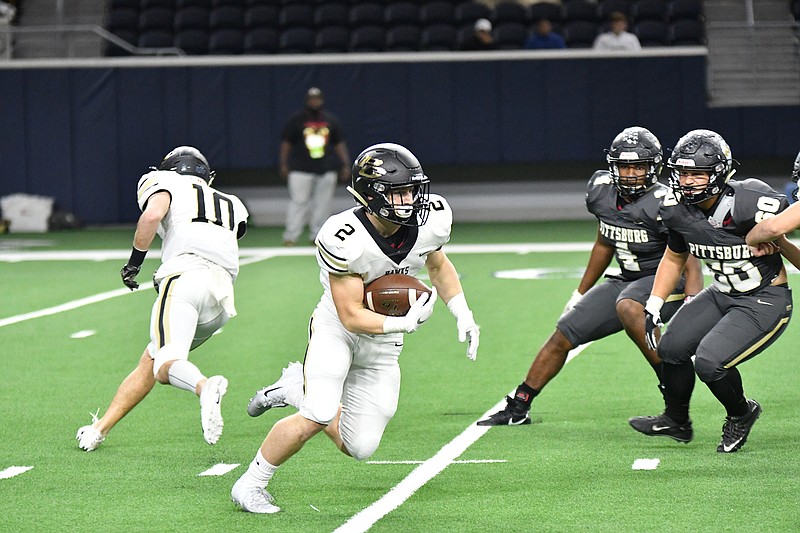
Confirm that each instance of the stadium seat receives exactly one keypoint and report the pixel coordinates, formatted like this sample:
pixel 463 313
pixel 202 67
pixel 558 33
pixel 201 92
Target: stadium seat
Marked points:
pixel 437 38
pixel 218 3
pixel 155 39
pixel 227 41
pixel 652 33
pixel 180 4
pixel 365 14
pixel 437 12
pixel 403 38
pixel 193 42
pixel 510 35
pixel 331 14
pixel 796 9
pixel 299 15
pixel 573 10
pixel 332 39
pixel 466 13
pixel 296 40
pixel 367 39
pixel 226 17
pixel 123 18
pixel 261 41
pixel 129 4
pixel 156 18
pixel 191 18
pixel 149 4
pixel 260 16
pixel 545 10
pixel 606 7
pixel 130 36
pixel 400 13
pixel 649 10
pixel 687 33
pixel 685 9
pixel 509 11
pixel 579 33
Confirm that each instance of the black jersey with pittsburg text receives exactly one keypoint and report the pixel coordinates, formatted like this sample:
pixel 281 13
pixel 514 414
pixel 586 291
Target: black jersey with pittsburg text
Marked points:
pixel 634 229
pixel 718 236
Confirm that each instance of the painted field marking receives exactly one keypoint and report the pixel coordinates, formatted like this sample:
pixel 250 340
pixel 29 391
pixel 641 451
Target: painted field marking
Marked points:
pixel 645 464
pixel 12 471
pixel 219 469
pixel 427 470
pixel 82 334
pixel 459 462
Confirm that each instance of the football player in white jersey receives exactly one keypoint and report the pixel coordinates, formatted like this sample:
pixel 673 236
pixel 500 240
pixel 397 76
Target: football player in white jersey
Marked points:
pixel 349 384
pixel 199 227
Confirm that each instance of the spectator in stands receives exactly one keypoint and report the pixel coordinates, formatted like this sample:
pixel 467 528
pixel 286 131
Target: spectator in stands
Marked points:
pixel 7 12
pixel 544 38
pixel 482 38
pixel 619 39
pixel 312 151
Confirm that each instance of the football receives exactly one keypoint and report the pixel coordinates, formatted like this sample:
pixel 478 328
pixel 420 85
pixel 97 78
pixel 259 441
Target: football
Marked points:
pixel 393 294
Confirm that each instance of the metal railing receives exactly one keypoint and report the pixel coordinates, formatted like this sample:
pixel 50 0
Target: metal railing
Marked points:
pixel 63 38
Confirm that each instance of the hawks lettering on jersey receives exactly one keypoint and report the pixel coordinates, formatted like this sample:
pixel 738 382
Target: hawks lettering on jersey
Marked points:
pixel 349 244
pixel 201 220
pixel 718 237
pixel 634 229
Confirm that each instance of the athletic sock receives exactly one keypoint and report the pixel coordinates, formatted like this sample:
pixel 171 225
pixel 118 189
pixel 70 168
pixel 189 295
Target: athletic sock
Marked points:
pixel 678 387
pixel 730 392
pixel 259 472
pixel 525 394
pixel 184 375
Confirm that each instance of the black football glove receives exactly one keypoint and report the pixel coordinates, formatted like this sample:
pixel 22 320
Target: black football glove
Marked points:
pixel 652 323
pixel 129 274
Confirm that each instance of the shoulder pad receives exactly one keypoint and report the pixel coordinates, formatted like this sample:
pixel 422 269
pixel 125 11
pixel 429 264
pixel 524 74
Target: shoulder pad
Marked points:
pixel 339 242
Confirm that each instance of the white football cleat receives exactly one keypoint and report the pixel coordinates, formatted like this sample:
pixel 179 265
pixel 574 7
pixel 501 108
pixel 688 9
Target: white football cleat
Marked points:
pixel 253 499
pixel 275 394
pixel 210 413
pixel 89 437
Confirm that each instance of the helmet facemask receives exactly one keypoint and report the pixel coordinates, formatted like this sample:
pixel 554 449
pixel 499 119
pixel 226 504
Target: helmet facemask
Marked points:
pixel 700 151
pixel 635 146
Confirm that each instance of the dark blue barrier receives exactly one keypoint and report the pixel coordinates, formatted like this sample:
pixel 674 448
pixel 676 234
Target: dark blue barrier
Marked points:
pixel 84 134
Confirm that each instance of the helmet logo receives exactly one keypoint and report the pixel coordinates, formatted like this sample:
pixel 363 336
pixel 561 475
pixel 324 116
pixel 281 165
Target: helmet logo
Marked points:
pixel 631 137
pixel 370 167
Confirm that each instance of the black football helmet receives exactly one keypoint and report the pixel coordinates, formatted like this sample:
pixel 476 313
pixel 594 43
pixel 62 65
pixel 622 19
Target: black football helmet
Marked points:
pixel 702 150
pixel 635 145
pixel 796 174
pixel 188 160
pixel 380 170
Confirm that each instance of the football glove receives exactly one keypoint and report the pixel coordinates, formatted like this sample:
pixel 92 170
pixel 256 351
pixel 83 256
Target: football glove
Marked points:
pixel 128 274
pixel 572 302
pixel 468 330
pixel 652 321
pixel 419 313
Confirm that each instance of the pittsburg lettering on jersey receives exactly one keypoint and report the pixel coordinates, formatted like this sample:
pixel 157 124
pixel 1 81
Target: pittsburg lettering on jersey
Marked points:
pixel 616 233
pixel 703 251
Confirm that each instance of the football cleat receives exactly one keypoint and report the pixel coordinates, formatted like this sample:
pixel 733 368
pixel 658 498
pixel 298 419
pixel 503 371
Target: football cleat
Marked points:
pixel 736 428
pixel 253 499
pixel 662 426
pixel 210 412
pixel 514 414
pixel 275 394
pixel 89 437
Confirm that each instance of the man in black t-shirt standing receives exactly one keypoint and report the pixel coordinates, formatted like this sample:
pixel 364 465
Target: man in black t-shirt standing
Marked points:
pixel 312 152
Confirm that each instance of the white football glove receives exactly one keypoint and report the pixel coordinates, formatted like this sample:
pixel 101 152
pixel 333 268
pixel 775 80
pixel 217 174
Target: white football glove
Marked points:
pixel 652 321
pixel 572 302
pixel 420 312
pixel 468 330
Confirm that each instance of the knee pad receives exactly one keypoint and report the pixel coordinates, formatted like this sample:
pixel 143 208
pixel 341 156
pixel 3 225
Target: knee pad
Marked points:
pixel 670 353
pixel 361 446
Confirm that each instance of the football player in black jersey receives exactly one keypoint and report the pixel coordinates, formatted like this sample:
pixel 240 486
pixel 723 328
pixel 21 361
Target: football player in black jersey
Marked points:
pixel 626 200
pixel 741 313
pixel 774 229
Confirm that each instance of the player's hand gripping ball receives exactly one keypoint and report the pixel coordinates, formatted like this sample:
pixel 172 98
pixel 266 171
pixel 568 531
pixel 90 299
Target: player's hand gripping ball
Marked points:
pixel 393 294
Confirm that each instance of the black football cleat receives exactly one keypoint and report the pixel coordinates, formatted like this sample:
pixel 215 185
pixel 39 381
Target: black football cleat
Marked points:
pixel 514 414
pixel 662 426
pixel 736 428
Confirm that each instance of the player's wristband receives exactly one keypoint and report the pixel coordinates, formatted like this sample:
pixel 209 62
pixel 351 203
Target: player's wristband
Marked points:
pixel 137 257
pixel 394 324
pixel 458 305
pixel 654 304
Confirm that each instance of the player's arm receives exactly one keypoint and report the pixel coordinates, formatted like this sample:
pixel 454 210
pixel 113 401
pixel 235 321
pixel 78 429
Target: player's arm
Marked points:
pixel 789 251
pixel 693 271
pixel 771 228
pixel 444 277
pixel 146 229
pixel 348 296
pixel 667 276
pixel 599 259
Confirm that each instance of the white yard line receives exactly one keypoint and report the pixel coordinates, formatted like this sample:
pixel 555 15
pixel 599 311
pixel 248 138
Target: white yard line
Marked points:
pixel 426 471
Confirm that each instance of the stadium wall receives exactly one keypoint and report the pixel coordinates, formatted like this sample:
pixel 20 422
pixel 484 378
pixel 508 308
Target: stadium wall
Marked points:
pixel 84 131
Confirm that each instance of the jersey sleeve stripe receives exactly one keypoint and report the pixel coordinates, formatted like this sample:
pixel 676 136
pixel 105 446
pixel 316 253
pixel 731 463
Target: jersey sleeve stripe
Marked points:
pixel 329 266
pixel 329 258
